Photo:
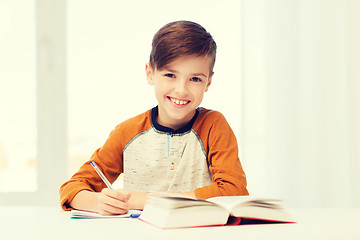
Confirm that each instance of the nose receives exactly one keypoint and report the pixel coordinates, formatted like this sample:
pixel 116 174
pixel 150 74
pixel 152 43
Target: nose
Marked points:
pixel 181 87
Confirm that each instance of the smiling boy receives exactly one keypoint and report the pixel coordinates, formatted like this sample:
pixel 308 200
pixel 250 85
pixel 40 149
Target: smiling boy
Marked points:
pixel 175 147
pixel 179 88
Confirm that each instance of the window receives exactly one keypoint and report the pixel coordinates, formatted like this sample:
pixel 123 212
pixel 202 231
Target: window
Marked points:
pixel 17 97
pixel 33 100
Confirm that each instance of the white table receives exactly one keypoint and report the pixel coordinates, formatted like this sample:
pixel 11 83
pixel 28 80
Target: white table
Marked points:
pixel 53 223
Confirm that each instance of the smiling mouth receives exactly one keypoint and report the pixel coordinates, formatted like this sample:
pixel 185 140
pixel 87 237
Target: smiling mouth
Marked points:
pixel 179 102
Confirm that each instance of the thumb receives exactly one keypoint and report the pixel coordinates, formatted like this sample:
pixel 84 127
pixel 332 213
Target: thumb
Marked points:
pixel 126 195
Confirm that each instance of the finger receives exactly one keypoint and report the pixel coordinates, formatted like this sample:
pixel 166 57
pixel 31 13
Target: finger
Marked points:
pixel 112 206
pixel 105 209
pixel 117 194
pixel 105 199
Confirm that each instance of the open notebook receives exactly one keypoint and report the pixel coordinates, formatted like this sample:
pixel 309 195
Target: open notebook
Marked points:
pixel 77 214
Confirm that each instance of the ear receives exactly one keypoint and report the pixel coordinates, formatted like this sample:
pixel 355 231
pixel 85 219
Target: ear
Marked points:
pixel 209 82
pixel 149 74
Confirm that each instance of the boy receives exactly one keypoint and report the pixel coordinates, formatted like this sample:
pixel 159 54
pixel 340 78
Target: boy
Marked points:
pixel 174 147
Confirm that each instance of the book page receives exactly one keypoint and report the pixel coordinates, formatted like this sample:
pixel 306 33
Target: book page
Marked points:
pixel 230 202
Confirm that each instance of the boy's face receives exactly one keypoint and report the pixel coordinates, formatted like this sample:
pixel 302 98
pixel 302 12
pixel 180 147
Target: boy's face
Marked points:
pixel 179 88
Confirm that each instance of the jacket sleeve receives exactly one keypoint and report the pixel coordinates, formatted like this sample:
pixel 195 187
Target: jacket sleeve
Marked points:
pixel 228 177
pixel 109 160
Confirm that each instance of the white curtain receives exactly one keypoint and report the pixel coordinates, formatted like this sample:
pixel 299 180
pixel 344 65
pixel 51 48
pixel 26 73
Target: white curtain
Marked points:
pixel 300 137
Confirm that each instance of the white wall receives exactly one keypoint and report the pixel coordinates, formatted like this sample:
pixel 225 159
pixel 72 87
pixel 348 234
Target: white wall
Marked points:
pixel 301 72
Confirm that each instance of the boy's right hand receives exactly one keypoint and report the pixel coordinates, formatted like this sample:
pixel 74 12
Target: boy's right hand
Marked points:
pixel 112 201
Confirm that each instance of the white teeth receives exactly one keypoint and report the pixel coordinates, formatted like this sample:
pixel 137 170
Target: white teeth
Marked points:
pixel 178 102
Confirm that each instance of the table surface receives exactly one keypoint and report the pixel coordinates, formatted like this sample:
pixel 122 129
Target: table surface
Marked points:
pixel 54 223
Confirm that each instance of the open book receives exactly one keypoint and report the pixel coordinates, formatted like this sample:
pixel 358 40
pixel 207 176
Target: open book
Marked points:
pixel 181 211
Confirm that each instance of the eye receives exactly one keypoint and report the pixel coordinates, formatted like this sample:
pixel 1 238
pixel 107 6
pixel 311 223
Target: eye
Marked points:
pixel 196 79
pixel 169 75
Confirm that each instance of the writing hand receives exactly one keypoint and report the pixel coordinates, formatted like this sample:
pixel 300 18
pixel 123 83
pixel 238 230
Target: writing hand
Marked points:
pixel 112 201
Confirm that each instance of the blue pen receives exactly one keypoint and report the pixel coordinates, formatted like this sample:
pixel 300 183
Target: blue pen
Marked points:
pixel 108 184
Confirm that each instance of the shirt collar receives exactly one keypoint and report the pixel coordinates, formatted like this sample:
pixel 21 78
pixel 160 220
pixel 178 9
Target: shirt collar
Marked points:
pixel 161 128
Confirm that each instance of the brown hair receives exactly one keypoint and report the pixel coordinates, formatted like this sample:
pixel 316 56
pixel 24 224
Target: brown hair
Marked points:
pixel 181 38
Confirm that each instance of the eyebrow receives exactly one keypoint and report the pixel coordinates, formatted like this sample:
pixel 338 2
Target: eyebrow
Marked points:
pixel 193 74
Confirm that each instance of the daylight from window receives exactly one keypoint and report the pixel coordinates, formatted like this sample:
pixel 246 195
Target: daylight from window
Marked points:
pixel 17 96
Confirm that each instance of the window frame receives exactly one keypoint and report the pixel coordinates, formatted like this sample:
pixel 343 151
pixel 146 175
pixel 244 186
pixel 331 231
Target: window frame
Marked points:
pixel 51 107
